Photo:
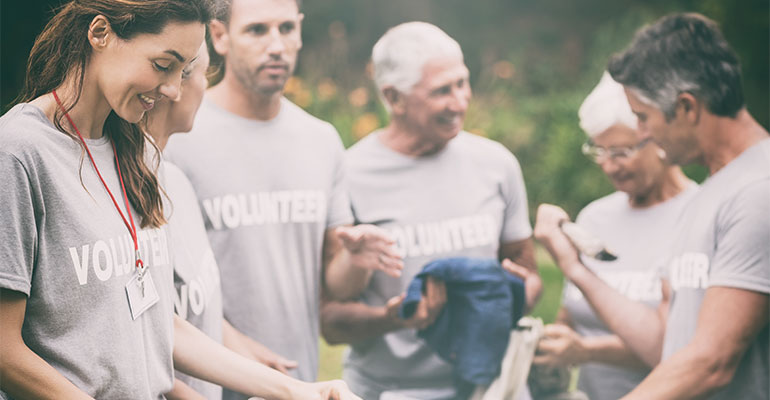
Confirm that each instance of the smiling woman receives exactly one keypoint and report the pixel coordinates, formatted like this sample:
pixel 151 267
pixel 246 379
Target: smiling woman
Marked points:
pixel 85 304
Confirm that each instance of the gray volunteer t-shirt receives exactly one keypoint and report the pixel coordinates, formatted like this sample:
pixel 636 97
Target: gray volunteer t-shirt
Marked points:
pixel 641 239
pixel 465 200
pixel 198 295
pixel 724 241
pixel 64 245
pixel 268 191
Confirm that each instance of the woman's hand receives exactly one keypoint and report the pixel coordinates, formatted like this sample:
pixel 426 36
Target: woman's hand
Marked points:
pixel 560 346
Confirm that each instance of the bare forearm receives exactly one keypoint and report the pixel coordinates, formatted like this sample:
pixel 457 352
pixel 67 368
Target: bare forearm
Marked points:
pixel 23 374
pixel 639 326
pixel 354 322
pixel 729 322
pixel 27 376
pixel 233 340
pixel 685 375
pixel 342 280
pixel 611 350
pixel 183 392
pixel 198 355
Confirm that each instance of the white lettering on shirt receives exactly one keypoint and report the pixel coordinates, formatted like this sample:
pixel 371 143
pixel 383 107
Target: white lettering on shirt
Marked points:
pixel 430 238
pixel 689 271
pixel 108 260
pixel 196 294
pixel 279 207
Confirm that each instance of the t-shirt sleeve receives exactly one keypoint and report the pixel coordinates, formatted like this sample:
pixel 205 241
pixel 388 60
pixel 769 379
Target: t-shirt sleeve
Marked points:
pixel 338 212
pixel 18 230
pixel 516 216
pixel 742 255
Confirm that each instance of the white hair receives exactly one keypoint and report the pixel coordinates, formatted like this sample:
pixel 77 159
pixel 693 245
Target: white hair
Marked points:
pixel 399 56
pixel 605 107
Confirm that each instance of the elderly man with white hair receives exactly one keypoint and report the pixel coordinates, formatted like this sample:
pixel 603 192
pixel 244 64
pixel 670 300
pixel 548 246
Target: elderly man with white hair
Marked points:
pixel 638 223
pixel 441 192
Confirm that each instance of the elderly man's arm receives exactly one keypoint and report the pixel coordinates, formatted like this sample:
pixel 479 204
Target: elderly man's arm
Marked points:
pixel 354 322
pixel 518 258
pixel 351 254
pixel 728 323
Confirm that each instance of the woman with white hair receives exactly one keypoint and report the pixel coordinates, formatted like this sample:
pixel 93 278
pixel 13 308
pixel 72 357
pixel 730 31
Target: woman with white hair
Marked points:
pixel 637 223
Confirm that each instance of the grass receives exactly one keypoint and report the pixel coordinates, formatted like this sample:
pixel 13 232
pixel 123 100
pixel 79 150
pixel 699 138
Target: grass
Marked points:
pixel 331 356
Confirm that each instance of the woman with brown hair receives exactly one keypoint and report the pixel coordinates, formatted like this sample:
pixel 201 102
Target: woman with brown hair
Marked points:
pixel 86 299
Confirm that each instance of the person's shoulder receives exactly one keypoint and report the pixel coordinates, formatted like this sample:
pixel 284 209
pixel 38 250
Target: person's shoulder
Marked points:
pixel 172 172
pixel 484 149
pixel 605 205
pixel 25 130
pixel 750 168
pixel 296 114
pixel 364 148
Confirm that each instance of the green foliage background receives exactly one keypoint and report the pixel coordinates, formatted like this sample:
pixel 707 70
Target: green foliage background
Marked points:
pixel 532 63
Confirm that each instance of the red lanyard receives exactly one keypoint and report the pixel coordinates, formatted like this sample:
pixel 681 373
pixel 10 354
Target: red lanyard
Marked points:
pixel 130 221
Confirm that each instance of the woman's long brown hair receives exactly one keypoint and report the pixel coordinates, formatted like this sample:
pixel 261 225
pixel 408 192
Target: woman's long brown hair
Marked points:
pixel 62 51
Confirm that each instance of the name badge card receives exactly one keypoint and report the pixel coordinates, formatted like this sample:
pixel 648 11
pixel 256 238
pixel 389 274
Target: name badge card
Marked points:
pixel 141 294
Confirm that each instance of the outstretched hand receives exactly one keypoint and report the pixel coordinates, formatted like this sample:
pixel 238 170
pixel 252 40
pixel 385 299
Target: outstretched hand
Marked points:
pixel 327 390
pixel 273 360
pixel 533 285
pixel 371 247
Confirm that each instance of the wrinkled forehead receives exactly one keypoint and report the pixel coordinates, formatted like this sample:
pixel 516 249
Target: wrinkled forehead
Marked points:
pixel 440 71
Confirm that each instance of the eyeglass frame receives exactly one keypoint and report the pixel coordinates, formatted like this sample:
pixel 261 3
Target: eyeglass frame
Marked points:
pixel 599 154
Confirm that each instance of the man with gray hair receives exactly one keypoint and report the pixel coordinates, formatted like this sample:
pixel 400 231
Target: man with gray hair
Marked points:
pixel 683 82
pixel 441 192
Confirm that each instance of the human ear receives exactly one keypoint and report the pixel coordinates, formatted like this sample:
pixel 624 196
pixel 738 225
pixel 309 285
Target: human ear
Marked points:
pixel 690 107
pixel 99 32
pixel 220 39
pixel 395 100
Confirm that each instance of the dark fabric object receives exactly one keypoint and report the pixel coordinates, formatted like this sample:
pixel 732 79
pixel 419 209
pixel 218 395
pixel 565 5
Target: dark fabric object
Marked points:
pixel 484 302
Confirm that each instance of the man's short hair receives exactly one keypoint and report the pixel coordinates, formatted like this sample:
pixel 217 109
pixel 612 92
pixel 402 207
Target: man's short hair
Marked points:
pixel 400 54
pixel 224 8
pixel 681 53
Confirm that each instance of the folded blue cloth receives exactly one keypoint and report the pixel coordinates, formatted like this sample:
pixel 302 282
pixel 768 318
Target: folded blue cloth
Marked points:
pixel 484 303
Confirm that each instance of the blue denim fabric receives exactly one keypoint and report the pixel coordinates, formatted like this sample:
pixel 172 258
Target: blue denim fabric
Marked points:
pixel 483 304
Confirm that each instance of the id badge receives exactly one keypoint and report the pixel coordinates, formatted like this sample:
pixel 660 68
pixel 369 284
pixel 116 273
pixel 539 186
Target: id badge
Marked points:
pixel 141 298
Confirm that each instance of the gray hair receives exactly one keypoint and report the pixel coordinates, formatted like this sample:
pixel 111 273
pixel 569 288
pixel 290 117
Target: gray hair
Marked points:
pixel 605 106
pixel 677 54
pixel 401 53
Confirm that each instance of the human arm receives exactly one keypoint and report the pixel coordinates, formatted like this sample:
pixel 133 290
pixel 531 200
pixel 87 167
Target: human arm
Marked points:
pixel 728 322
pixel 518 258
pixel 181 391
pixel 638 325
pixel 199 356
pixel 249 348
pixel 354 322
pixel 24 374
pixel 351 254
pixel 562 346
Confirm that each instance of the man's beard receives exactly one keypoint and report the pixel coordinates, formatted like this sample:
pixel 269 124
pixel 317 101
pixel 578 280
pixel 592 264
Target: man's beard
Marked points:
pixel 250 80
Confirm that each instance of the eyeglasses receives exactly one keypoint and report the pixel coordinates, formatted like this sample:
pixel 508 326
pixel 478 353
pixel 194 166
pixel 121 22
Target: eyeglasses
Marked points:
pixel 600 154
